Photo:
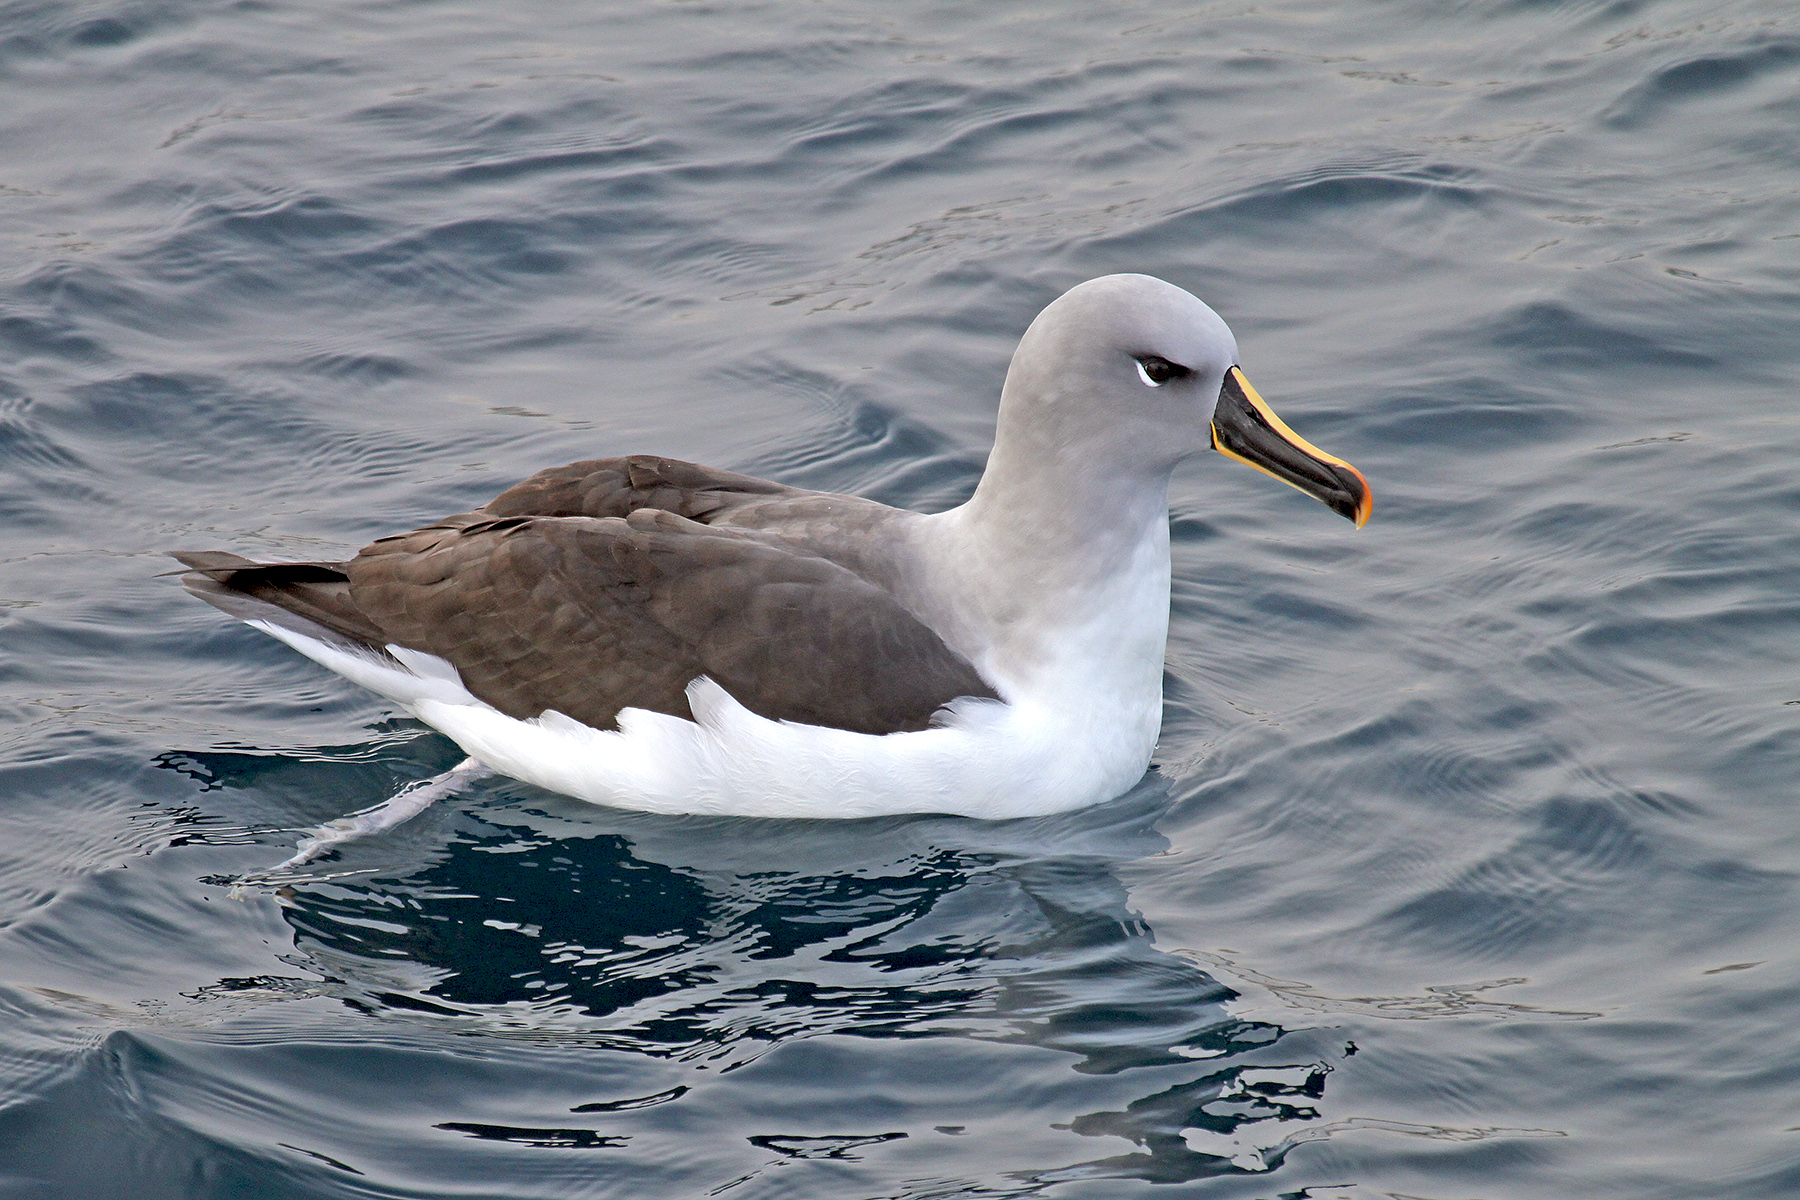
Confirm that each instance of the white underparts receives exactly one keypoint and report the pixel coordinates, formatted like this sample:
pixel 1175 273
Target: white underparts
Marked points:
pixel 1051 747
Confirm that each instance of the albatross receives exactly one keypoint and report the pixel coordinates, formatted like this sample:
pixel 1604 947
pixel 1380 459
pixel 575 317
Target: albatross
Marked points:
pixel 663 636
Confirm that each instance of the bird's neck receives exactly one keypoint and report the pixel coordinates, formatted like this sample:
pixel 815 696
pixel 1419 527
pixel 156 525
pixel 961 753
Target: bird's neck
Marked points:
pixel 1064 509
pixel 1061 569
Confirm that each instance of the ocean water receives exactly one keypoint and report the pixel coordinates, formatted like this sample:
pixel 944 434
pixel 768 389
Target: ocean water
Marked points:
pixel 1469 867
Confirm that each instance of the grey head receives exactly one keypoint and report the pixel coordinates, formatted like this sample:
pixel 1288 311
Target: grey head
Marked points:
pixel 1090 372
pixel 1126 375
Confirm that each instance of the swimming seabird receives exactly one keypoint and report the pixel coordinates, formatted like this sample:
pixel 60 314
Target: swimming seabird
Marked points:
pixel 657 635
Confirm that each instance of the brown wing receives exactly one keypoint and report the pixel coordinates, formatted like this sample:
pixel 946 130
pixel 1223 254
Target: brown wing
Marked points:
pixel 819 523
pixel 588 616
pixel 617 487
pixel 318 592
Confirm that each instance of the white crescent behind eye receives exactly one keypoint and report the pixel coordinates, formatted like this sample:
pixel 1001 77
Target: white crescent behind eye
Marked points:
pixel 1145 376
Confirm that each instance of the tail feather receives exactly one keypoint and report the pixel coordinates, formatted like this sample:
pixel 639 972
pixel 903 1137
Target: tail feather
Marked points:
pixel 312 598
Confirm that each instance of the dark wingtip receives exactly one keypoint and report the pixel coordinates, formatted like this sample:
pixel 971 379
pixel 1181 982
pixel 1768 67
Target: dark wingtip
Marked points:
pixel 210 561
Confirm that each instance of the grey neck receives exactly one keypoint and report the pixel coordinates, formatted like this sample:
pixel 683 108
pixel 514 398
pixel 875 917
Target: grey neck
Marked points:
pixel 1049 544
pixel 1046 520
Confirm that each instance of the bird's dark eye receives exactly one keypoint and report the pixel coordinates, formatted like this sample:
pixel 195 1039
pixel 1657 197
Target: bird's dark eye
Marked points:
pixel 1155 371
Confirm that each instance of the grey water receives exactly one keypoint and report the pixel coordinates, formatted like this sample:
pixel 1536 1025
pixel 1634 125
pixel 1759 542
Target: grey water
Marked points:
pixel 1470 868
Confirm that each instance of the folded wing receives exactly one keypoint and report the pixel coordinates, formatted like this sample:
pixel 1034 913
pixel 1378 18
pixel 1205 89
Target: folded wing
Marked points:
pixel 620 606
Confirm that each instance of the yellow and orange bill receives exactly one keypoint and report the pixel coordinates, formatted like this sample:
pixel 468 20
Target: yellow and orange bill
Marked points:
pixel 1244 427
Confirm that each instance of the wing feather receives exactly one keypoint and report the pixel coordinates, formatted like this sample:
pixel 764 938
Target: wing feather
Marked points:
pixel 618 487
pixel 591 615
pixel 614 583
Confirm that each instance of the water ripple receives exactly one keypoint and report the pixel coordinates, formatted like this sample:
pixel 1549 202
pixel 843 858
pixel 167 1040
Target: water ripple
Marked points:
pixel 1477 822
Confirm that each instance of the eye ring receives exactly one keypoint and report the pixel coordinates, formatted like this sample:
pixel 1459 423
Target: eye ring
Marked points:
pixel 1155 370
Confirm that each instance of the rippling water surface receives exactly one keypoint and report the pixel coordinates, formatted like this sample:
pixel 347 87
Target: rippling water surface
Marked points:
pixel 1469 869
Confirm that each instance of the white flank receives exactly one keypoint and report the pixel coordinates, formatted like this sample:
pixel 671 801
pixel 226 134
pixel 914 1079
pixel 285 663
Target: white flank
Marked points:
pixel 1040 753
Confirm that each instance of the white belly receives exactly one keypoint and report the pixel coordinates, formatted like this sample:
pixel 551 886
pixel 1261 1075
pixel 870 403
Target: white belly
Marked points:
pixel 1057 745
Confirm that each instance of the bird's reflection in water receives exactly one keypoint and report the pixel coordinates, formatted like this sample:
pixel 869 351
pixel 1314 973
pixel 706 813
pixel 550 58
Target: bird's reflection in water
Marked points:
pixel 709 940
